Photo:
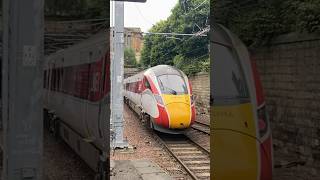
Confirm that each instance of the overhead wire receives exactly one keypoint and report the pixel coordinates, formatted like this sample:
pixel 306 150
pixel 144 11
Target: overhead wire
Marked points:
pixel 200 5
pixel 166 54
pixel 190 11
pixel 194 9
pixel 174 34
pixel 147 20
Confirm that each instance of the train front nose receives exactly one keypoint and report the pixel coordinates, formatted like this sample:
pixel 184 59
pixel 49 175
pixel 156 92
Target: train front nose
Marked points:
pixel 235 145
pixel 179 114
pixel 179 111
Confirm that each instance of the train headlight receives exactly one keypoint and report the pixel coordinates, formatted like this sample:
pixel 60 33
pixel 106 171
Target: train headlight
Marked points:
pixel 158 99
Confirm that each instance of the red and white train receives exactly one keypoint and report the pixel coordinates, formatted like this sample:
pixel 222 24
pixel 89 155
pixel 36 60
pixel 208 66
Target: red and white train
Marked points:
pixel 77 97
pixel 241 146
pixel 163 94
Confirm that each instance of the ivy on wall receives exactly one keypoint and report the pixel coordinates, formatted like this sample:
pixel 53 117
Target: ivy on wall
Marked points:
pixel 256 22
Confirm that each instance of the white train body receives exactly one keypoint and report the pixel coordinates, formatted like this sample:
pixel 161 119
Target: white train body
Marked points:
pixel 77 91
pixel 164 94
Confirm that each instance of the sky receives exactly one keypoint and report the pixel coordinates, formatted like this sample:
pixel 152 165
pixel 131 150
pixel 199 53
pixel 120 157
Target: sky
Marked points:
pixel 144 15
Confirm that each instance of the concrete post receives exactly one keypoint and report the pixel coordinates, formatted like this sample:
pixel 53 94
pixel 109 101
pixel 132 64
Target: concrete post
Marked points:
pixel 22 89
pixel 117 78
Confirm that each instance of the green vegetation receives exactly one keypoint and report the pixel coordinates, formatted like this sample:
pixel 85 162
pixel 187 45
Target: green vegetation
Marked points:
pixel 187 53
pixel 129 57
pixel 257 22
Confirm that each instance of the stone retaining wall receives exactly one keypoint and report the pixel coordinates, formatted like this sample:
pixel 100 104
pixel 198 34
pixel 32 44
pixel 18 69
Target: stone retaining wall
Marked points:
pixel 201 89
pixel 290 74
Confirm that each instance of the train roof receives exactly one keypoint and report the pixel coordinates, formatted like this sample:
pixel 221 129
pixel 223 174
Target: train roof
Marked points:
pixel 99 37
pixel 157 71
pixel 166 69
pixel 93 47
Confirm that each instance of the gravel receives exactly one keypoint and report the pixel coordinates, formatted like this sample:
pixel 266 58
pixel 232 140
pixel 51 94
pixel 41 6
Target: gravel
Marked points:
pixel 199 137
pixel 146 146
pixel 61 162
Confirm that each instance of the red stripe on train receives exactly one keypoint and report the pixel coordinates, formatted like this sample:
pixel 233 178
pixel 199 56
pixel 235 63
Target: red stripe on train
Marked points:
pixel 257 82
pixel 89 81
pixel 266 159
pixel 163 119
pixel 193 116
pixel 153 86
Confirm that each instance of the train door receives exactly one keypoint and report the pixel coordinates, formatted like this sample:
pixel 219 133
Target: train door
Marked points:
pixel 236 153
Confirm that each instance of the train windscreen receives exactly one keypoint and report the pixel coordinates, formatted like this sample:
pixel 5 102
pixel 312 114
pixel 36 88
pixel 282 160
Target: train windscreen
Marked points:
pixel 229 85
pixel 172 84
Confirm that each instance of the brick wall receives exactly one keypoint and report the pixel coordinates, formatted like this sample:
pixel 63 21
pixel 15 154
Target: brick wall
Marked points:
pixel 290 73
pixel 201 89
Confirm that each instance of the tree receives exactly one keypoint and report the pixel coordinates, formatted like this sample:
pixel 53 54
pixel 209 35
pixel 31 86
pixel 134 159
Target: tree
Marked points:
pixel 129 57
pixel 183 52
pixel 257 22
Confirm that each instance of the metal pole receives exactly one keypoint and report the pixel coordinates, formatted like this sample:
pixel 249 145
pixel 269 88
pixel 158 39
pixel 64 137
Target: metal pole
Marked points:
pixel 117 78
pixel 22 89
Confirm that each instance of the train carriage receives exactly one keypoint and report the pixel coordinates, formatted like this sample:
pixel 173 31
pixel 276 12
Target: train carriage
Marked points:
pixel 241 143
pixel 77 97
pixel 163 94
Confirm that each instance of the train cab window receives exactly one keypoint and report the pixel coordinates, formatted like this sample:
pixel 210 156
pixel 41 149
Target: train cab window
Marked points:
pixel 229 84
pixel 146 84
pixel 172 84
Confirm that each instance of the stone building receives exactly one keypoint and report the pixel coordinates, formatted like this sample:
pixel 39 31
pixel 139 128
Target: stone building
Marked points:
pixel 133 38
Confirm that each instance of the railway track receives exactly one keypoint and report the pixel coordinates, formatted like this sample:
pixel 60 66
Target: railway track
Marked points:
pixel 200 126
pixel 193 158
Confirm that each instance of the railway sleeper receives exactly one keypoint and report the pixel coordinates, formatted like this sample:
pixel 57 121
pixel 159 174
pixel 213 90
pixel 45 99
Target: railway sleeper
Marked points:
pixel 195 168
pixel 197 162
pixel 194 157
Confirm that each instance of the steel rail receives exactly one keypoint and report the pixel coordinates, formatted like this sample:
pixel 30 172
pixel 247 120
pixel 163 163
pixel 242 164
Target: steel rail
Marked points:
pixel 198 145
pixel 201 130
pixel 178 159
pixel 199 122
pixel 193 176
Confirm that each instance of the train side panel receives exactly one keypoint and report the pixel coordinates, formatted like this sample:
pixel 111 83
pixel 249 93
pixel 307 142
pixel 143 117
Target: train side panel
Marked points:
pixel 77 88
